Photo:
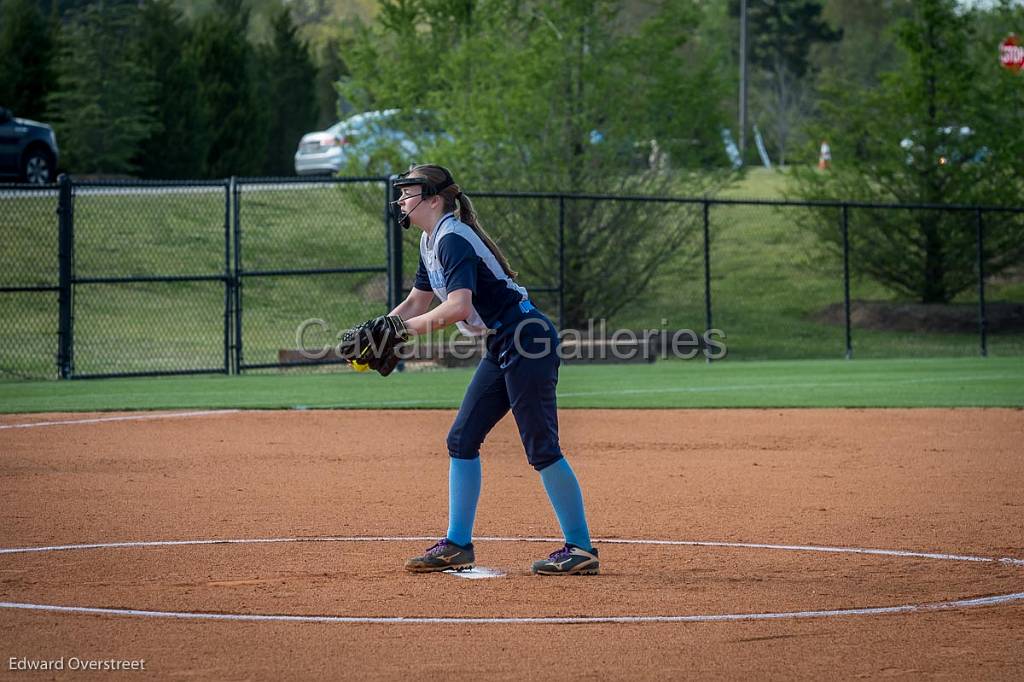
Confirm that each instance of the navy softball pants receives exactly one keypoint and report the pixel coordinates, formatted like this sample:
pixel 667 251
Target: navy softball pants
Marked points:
pixel 519 372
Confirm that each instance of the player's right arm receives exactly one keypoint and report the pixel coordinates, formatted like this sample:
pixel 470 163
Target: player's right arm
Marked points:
pixel 459 261
pixel 420 297
pixel 415 304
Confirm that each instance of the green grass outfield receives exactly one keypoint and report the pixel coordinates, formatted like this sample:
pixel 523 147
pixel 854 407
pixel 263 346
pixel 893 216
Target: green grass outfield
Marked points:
pixel 952 382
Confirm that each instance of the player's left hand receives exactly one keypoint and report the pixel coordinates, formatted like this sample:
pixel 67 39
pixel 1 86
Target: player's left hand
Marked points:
pixel 372 344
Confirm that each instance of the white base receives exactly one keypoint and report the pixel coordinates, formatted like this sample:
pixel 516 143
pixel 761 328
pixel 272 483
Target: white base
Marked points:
pixel 477 573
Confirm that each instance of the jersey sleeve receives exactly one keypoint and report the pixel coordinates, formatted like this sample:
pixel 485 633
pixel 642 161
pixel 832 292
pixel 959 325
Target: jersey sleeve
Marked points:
pixel 459 262
pixel 422 278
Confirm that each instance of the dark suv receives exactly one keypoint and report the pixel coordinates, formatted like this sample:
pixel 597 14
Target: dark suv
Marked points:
pixel 28 150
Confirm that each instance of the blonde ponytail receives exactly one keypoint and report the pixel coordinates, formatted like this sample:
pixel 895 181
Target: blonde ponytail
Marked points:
pixel 467 215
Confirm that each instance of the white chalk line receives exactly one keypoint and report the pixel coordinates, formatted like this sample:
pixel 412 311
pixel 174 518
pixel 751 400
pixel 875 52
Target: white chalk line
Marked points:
pixel 489 538
pixel 447 402
pixel 539 620
pixel 543 620
pixel 123 418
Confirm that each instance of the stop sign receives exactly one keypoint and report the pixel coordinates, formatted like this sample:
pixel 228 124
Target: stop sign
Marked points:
pixel 1011 54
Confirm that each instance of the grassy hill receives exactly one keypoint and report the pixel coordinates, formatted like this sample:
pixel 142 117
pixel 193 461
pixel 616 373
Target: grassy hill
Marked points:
pixel 770 281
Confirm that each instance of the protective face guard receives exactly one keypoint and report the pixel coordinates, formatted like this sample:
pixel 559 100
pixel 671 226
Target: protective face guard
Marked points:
pixel 427 190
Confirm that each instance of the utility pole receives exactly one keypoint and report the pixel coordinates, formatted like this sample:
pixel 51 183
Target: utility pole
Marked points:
pixel 743 79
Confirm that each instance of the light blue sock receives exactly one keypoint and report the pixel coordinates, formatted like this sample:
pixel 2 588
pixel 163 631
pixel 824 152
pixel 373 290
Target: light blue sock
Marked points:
pixel 564 492
pixel 464 476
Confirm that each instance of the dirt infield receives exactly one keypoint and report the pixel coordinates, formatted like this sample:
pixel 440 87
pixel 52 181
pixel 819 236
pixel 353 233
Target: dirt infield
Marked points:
pixel 777 493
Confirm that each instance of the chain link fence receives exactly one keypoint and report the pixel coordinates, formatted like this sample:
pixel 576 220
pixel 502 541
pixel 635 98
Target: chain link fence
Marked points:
pixel 1003 291
pixel 28 281
pixel 151 275
pixel 311 261
pixel 527 231
pixel 770 300
pixel 133 278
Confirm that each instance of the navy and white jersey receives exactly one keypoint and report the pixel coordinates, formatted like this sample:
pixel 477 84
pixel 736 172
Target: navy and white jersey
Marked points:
pixel 454 257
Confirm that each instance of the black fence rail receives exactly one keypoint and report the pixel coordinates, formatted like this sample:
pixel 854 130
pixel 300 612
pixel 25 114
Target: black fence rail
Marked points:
pixel 125 278
pixel 779 278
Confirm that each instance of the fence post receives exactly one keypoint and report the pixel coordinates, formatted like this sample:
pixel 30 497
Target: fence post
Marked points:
pixel 229 284
pixel 846 280
pixel 66 275
pixel 982 318
pixel 708 323
pixel 235 206
pixel 561 261
pixel 393 236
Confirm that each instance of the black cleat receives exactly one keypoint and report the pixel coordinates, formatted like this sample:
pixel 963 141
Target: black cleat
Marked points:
pixel 445 555
pixel 569 560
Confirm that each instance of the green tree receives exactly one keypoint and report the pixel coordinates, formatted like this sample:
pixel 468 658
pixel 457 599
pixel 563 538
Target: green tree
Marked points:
pixel 559 96
pixel 288 92
pixel 324 26
pixel 782 33
pixel 235 130
pixel 868 47
pixel 102 106
pixel 176 149
pixel 26 53
pixel 330 69
pixel 944 128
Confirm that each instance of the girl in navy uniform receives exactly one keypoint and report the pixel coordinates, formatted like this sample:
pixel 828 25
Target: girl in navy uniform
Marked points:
pixel 467 272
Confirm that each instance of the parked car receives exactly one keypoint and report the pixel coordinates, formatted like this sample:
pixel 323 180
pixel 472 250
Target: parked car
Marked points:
pixel 956 147
pixel 373 141
pixel 28 149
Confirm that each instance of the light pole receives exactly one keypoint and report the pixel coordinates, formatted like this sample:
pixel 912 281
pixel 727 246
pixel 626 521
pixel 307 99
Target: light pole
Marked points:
pixel 743 78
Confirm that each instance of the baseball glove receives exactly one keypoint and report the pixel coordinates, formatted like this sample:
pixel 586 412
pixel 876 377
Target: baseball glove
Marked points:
pixel 372 344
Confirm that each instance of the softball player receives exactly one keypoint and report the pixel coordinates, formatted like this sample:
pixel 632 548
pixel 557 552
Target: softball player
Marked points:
pixel 467 272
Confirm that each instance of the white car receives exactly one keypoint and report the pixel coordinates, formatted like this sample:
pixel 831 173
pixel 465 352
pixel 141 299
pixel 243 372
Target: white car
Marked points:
pixel 373 141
